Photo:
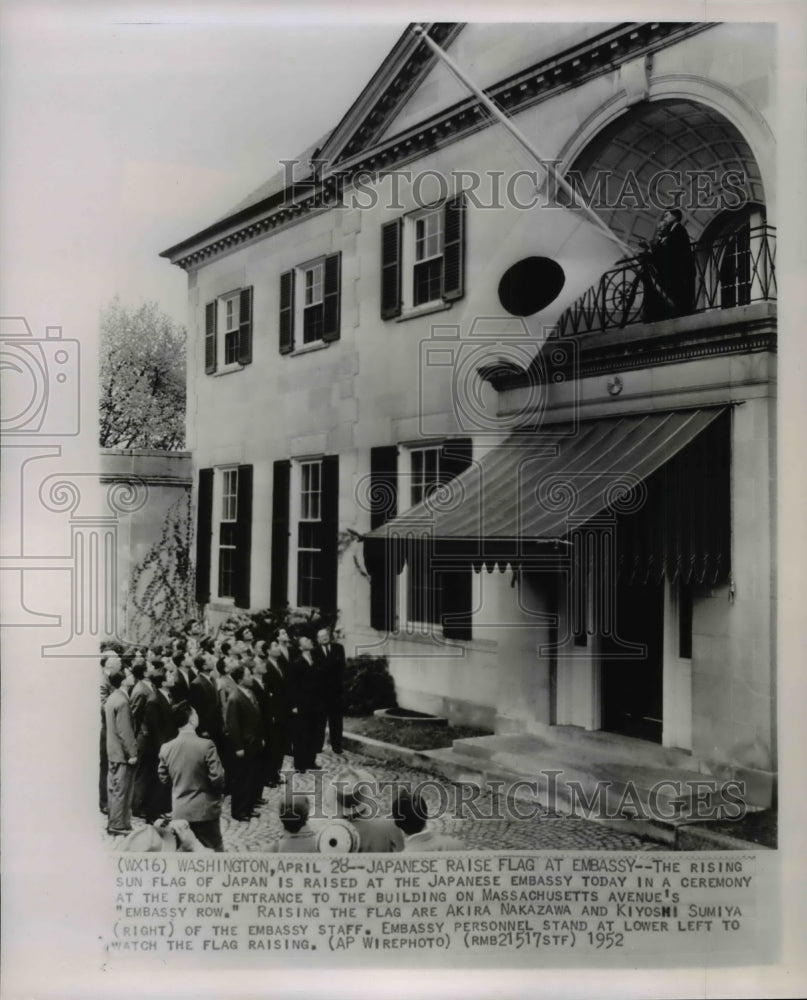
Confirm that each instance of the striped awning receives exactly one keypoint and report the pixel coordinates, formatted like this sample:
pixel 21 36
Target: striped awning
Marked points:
pixel 538 485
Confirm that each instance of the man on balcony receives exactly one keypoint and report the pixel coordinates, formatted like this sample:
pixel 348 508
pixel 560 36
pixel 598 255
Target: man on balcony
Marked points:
pixel 668 270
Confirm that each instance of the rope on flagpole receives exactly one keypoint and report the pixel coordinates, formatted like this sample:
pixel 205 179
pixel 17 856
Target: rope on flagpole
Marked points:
pixel 519 136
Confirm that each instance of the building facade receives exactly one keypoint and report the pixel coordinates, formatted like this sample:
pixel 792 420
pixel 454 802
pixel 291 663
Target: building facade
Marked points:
pixel 429 392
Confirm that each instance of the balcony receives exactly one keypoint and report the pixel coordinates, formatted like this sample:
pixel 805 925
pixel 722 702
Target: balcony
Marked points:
pixel 735 270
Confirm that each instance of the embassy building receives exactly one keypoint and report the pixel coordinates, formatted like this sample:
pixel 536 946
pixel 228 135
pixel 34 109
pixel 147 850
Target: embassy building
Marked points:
pixel 432 391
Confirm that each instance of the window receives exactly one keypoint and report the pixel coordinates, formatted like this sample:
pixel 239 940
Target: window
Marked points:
pixel 437 587
pixel 305 503
pixel 228 331
pixel 227 533
pixel 428 270
pixel 309 544
pixel 735 269
pixel 310 303
pixel 224 535
pixel 423 259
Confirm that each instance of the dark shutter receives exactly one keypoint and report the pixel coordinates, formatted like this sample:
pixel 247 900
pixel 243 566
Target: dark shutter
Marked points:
pixel 455 457
pixel 331 297
pixel 454 249
pixel 391 269
pixel 204 531
pixel 330 532
pixel 210 337
pixel 455 595
pixel 243 537
pixel 245 327
pixel 286 312
pixel 383 485
pixel 280 534
pixel 383 507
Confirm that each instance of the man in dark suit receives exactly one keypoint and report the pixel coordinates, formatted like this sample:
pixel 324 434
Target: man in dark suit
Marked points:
pixel 205 700
pixel 306 708
pixel 191 765
pixel 276 682
pixel 668 270
pixel 329 660
pixel 156 728
pixel 243 729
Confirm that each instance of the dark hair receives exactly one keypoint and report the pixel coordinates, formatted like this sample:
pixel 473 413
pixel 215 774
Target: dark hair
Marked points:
pixel 294 814
pixel 158 649
pixel 157 664
pixel 115 678
pixel 225 648
pixel 677 214
pixel 237 673
pixel 220 666
pixel 199 662
pixel 240 633
pixel 182 713
pixel 157 676
pixel 189 624
pixel 139 670
pixel 207 644
pixel 178 659
pixel 410 812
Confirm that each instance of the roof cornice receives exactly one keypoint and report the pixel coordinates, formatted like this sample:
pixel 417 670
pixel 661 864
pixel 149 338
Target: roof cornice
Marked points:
pixel 598 55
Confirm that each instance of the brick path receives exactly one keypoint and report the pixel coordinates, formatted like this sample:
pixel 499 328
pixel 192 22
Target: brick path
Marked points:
pixel 544 832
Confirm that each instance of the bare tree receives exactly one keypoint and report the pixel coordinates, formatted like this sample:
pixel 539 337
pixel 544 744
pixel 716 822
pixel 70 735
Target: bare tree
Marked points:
pixel 142 372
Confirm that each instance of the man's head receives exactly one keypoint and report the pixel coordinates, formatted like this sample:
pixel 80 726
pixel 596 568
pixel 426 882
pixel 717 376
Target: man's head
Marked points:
pixel 323 637
pixel 139 669
pixel 282 636
pixel 116 677
pixel 305 644
pixel 200 664
pixel 294 813
pixel 157 675
pixel 274 649
pixel 236 671
pixel 185 715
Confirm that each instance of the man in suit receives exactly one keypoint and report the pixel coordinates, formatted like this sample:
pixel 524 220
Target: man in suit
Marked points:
pixel 264 698
pixel 156 728
pixel 109 663
pixel 329 660
pixel 121 750
pixel 183 674
pixel 191 765
pixel 306 710
pixel 668 270
pixel 243 729
pixel 276 682
pixel 204 698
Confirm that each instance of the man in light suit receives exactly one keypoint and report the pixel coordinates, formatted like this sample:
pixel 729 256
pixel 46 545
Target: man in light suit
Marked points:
pixel 329 661
pixel 121 751
pixel 191 765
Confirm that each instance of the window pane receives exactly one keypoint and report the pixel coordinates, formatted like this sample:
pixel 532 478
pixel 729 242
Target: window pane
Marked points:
pixel 428 280
pixel 313 323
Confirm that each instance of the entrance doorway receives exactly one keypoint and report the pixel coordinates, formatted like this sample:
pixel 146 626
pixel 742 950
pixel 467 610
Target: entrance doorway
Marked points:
pixel 632 680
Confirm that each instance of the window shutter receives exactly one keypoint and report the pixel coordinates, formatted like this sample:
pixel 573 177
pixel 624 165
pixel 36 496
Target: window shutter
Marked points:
pixel 330 532
pixel 287 312
pixel 454 249
pixel 280 534
pixel 204 532
pixel 332 297
pixel 455 457
pixel 391 269
pixel 455 589
pixel 210 337
pixel 245 327
pixel 383 507
pixel 243 537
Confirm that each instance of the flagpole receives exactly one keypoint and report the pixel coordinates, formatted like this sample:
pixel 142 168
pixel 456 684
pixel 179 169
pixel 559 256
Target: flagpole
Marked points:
pixel 519 136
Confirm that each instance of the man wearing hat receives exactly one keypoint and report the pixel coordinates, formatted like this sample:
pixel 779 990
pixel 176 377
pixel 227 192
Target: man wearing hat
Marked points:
pixel 191 765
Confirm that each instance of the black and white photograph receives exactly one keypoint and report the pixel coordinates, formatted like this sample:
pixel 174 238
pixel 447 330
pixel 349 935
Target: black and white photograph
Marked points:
pixel 401 460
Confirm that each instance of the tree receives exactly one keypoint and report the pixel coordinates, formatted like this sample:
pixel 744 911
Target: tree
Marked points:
pixel 142 401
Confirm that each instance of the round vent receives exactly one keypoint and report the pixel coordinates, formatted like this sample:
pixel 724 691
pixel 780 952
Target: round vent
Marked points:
pixel 531 284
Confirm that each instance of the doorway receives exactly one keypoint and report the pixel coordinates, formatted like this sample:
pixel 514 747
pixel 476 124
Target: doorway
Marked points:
pixel 633 679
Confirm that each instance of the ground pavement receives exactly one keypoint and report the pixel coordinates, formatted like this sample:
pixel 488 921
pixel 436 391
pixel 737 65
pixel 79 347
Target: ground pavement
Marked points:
pixel 491 827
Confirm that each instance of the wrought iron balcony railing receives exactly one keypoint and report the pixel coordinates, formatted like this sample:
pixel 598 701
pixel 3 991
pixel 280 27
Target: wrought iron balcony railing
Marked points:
pixel 733 270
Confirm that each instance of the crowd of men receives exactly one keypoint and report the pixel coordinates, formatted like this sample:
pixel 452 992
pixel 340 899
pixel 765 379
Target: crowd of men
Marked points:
pixel 186 721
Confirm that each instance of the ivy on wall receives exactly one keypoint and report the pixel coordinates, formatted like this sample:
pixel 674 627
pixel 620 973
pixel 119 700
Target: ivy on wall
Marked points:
pixel 161 590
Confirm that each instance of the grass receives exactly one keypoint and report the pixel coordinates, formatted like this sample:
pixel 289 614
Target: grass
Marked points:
pixel 413 735
pixel 758 827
